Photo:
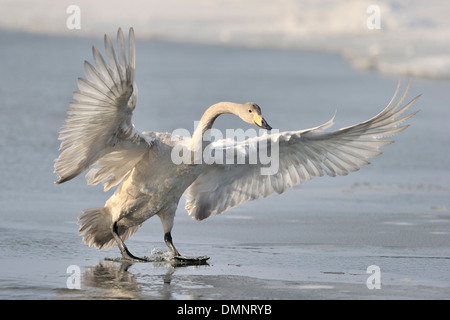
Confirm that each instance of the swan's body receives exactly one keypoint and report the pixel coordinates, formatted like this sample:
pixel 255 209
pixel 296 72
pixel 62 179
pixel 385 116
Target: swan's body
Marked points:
pixel 99 133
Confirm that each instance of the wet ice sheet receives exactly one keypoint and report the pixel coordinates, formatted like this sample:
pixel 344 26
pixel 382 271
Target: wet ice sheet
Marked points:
pixel 299 255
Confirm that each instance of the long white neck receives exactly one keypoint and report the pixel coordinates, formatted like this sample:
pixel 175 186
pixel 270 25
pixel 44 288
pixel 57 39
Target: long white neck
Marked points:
pixel 208 119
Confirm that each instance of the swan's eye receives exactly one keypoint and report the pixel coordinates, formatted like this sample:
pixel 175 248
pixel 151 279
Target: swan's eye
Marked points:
pixel 249 110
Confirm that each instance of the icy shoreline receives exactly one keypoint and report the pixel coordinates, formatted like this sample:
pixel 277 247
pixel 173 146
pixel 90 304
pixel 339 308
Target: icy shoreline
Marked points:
pixel 412 38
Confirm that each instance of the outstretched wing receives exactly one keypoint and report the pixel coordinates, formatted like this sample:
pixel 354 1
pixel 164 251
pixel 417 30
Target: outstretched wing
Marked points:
pixel 302 155
pixel 98 128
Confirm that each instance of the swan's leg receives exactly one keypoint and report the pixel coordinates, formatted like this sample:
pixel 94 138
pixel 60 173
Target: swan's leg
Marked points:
pixel 178 257
pixel 167 217
pixel 168 241
pixel 126 254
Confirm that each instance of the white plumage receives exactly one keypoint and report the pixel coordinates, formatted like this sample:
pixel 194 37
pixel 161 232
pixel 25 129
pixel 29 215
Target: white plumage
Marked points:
pixel 99 134
pixel 303 155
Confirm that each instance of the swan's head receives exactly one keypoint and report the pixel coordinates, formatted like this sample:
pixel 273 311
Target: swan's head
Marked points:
pixel 251 113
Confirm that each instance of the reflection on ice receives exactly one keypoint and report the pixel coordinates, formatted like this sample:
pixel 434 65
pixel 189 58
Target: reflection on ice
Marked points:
pixel 122 280
pixel 110 280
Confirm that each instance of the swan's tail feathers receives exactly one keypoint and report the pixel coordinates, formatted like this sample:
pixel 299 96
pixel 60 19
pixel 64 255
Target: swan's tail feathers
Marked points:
pixel 96 227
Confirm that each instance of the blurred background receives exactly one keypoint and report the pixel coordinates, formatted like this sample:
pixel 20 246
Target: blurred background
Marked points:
pixel 404 37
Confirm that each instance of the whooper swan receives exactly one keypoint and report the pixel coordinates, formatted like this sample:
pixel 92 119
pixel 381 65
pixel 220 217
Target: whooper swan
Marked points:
pixel 99 134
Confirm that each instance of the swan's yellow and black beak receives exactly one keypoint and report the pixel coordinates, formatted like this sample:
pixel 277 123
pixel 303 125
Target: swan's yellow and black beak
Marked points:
pixel 260 122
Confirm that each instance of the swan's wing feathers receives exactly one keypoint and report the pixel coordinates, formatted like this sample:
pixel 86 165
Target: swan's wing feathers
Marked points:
pixel 99 120
pixel 303 155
